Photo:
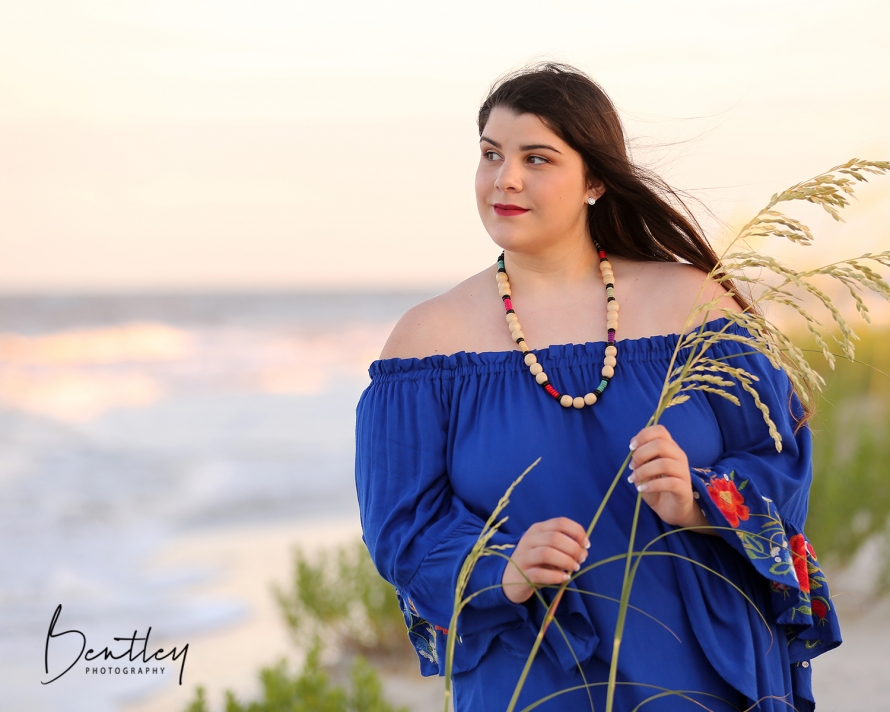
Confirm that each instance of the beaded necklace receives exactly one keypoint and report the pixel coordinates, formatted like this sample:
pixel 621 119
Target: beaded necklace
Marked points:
pixel 531 360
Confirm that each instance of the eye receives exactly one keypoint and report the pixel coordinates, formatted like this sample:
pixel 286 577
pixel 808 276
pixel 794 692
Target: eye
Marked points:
pixel 487 155
pixel 538 158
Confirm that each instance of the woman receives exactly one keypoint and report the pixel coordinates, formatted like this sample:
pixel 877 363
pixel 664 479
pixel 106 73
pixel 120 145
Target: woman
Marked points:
pixel 462 401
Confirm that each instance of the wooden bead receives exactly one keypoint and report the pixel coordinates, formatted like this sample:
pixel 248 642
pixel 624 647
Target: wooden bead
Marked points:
pixel 501 276
pixel 514 326
pixel 518 335
pixel 530 359
pixel 525 347
pixel 608 371
pixel 611 351
pixel 612 324
pixel 565 401
pixel 610 361
pixel 578 402
pixel 536 368
pixel 511 318
pixel 541 377
pixel 590 398
pixel 612 306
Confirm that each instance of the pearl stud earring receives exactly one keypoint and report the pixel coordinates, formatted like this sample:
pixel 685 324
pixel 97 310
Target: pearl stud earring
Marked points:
pixel 591 201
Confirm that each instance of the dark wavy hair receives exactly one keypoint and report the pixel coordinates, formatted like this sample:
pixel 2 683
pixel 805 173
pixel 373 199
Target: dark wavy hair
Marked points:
pixel 639 216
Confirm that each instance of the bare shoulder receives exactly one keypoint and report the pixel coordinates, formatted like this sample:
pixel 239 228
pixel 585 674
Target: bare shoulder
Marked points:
pixel 438 325
pixel 681 287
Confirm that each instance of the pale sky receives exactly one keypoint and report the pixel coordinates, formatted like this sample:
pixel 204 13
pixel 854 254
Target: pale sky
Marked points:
pixel 260 145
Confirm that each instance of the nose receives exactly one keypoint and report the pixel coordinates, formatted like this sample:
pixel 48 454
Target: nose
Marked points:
pixel 509 177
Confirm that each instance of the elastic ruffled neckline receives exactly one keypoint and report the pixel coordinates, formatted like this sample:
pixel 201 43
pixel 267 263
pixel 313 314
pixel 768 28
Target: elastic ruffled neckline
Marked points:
pixel 645 348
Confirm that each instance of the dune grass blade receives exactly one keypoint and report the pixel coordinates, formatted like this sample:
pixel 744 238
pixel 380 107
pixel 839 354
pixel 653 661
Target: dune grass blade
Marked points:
pixel 684 694
pixel 478 550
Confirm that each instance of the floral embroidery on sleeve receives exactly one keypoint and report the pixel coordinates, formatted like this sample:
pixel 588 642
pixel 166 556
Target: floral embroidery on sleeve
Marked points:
pixel 799 553
pixel 421 633
pixel 728 499
pixel 782 554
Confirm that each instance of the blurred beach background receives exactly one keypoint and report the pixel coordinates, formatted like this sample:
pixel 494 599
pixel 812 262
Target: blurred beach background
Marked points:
pixel 211 215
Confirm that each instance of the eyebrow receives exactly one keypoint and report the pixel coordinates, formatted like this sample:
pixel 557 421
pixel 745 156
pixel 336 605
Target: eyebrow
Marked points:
pixel 529 147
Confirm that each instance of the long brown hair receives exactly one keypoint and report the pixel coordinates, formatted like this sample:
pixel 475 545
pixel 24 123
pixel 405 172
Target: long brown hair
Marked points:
pixel 639 216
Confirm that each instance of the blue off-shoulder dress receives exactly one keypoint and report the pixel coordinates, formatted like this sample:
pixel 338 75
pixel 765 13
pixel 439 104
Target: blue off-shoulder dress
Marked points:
pixel 717 622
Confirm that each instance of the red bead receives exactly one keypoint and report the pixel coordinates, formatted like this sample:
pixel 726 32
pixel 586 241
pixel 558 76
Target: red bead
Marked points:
pixel 552 391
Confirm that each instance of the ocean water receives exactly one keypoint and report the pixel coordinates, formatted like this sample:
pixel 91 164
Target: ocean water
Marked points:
pixel 128 421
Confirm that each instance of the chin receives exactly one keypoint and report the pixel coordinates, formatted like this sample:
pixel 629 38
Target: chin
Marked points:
pixel 512 240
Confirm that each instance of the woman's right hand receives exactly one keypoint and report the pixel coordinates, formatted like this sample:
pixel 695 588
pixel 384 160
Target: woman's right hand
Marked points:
pixel 544 555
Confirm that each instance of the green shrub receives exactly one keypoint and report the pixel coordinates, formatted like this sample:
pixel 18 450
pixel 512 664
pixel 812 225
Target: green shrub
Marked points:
pixel 341 598
pixel 850 496
pixel 309 690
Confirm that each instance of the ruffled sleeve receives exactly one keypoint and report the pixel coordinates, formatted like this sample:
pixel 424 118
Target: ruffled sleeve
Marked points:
pixel 417 531
pixel 759 497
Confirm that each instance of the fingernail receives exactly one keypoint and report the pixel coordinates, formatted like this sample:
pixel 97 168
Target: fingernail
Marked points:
pixel 566 576
pixel 631 479
pixel 630 466
pixel 633 444
pixel 587 543
pixel 583 556
pixel 577 566
pixel 642 488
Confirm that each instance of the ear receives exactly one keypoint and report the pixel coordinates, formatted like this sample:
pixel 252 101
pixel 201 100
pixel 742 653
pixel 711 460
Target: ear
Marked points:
pixel 595 188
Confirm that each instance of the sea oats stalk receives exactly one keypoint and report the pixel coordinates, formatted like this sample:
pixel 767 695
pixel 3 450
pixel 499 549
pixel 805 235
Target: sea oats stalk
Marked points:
pixel 701 372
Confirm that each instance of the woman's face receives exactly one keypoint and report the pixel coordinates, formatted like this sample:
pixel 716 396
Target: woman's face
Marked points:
pixel 526 165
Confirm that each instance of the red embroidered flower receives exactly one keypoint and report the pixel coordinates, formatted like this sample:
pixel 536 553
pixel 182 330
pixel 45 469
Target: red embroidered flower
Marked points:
pixel 728 500
pixel 811 551
pixel 819 608
pixel 799 557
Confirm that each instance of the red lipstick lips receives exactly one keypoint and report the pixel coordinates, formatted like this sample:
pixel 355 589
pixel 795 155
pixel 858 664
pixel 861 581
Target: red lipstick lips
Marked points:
pixel 509 210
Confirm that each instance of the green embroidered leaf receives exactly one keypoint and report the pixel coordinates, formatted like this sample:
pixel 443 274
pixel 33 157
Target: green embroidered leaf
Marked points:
pixel 780 568
pixel 743 485
pixel 754 545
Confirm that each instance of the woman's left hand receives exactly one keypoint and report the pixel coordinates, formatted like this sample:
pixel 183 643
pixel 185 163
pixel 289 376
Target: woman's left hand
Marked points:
pixel 661 474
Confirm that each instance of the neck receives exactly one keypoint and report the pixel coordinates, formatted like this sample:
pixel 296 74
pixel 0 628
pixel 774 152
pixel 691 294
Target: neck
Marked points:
pixel 556 268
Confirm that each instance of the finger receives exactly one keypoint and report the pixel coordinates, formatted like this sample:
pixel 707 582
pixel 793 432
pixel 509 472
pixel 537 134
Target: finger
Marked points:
pixel 561 542
pixel 567 526
pixel 662 485
pixel 662 466
pixel 651 450
pixel 649 433
pixel 547 576
pixel 548 556
pixel 654 451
